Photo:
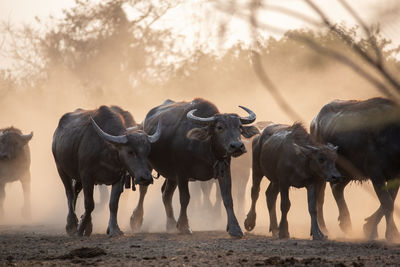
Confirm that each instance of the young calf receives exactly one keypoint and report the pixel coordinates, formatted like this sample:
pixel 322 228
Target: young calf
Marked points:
pixel 288 157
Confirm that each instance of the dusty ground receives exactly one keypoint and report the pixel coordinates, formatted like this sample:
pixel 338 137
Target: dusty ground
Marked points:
pixel 42 245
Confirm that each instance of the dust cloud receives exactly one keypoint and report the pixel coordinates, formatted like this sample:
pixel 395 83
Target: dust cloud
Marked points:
pixel 306 91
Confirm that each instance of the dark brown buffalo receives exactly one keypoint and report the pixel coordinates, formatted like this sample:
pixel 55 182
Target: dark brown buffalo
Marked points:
pixel 15 161
pixel 196 143
pixel 368 136
pixel 287 156
pixel 99 147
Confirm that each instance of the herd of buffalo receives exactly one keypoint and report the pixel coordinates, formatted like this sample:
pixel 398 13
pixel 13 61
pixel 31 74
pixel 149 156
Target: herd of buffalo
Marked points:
pixel 193 141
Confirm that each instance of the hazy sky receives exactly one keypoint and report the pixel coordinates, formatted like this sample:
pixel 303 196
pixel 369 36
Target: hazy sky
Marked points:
pixel 26 10
pixel 184 18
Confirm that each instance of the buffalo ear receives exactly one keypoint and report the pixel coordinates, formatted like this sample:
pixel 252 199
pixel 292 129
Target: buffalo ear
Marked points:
pixel 300 150
pixel 200 134
pixel 249 131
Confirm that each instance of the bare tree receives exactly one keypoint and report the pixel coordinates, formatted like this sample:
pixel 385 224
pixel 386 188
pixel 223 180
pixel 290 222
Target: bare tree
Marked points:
pixel 366 47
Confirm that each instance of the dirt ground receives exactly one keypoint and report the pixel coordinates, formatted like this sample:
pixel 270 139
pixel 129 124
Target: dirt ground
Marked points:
pixel 47 245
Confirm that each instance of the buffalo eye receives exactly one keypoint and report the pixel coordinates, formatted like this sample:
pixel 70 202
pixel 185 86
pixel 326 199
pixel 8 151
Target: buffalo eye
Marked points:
pixel 321 160
pixel 220 128
pixel 131 153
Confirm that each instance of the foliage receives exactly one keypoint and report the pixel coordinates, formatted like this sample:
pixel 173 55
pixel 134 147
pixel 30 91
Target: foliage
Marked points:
pixel 96 43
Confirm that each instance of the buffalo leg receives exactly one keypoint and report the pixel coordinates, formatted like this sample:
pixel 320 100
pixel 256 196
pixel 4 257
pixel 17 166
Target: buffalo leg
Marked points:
pixel 218 201
pixel 26 188
pixel 104 196
pixel 320 205
pixel 285 206
pixel 312 194
pixel 72 220
pixel 206 190
pixel 387 204
pixel 225 186
pixel 2 197
pixel 344 214
pixel 271 195
pixel 116 190
pixel 371 226
pixel 167 194
pixel 195 189
pixel 137 215
pixel 77 188
pixel 250 221
pixel 239 192
pixel 85 225
pixel 184 197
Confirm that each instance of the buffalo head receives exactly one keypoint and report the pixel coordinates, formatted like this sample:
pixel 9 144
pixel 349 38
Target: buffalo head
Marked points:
pixel 133 150
pixel 11 142
pixel 224 130
pixel 322 160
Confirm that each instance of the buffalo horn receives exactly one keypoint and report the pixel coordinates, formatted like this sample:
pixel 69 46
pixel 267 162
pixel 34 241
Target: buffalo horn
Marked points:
pixel 133 128
pixel 27 137
pixel 121 139
pixel 249 119
pixel 154 137
pixel 192 117
pixel 333 147
pixel 313 148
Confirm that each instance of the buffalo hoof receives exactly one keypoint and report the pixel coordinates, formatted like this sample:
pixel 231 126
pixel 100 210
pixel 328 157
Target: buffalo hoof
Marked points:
pixel 136 221
pixel 345 225
pixel 114 231
pixel 324 230
pixel 392 234
pixel 171 225
pixel 370 230
pixel 284 230
pixel 183 227
pixel 185 230
pixel 284 235
pixel 250 221
pixel 318 235
pixel 88 229
pixel 85 229
pixel 234 231
pixel 393 238
pixel 275 232
pixel 72 225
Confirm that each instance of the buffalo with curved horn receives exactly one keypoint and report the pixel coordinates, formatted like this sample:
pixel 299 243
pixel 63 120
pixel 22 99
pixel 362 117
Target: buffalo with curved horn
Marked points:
pixel 198 145
pixel 100 147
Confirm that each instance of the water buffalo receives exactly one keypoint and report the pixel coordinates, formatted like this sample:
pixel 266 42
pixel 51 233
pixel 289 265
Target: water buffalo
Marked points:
pixel 287 156
pixel 367 133
pixel 196 143
pixel 15 161
pixel 86 155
